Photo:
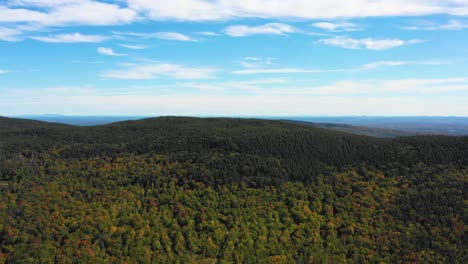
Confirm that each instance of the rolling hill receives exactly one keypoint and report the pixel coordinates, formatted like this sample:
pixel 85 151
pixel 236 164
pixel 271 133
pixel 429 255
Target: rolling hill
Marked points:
pixel 217 190
pixel 18 123
pixel 362 130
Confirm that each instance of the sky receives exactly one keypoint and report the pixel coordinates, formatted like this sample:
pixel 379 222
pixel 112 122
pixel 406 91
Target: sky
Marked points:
pixel 233 58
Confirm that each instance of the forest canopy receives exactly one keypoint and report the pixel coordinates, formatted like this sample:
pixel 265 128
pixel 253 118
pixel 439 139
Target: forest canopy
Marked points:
pixel 213 190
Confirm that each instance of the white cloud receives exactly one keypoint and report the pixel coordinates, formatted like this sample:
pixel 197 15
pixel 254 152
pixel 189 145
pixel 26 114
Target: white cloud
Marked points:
pixel 9 34
pixel 153 71
pixel 259 65
pixel 450 25
pixel 18 32
pixel 337 26
pixel 42 3
pixel 71 38
pixel 2 71
pixel 158 35
pixel 278 71
pixel 107 51
pixel 8 15
pixel 380 64
pixel 208 33
pixel 256 62
pixel 101 12
pixel 134 47
pixel 267 29
pixel 172 36
pixel 254 65
pixel 367 43
pixel 63 12
pixel 205 10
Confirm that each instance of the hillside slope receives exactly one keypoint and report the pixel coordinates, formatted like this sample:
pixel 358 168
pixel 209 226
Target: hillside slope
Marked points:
pixel 17 123
pixel 193 190
pixel 362 130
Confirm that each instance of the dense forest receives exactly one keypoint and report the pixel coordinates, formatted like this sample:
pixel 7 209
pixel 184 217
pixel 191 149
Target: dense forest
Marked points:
pixel 193 190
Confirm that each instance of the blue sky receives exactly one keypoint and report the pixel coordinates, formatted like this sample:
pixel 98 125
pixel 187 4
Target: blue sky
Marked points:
pixel 219 57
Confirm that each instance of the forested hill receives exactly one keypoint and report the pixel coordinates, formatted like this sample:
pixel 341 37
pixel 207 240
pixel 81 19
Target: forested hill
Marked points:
pixel 17 123
pixel 180 189
pixel 362 130
pixel 316 150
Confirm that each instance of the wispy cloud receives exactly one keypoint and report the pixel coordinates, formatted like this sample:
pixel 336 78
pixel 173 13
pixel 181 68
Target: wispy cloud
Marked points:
pixel 9 34
pixel 453 24
pixel 206 10
pixel 400 87
pixel 18 32
pixel 134 47
pixel 158 70
pixel 158 35
pixel 101 13
pixel 267 29
pixel 279 71
pixel 257 65
pixel 381 64
pixel 71 38
pixel 173 36
pixel 108 52
pixel 66 12
pixel 337 26
pixel 208 33
pixel 367 43
pixel 2 71
pixel 256 62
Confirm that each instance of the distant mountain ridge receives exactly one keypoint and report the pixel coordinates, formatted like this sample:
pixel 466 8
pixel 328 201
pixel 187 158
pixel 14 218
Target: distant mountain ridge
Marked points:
pixel 80 120
pixel 369 126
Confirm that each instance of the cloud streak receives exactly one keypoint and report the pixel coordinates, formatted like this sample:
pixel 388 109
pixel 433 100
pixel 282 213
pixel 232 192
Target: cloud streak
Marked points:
pixel 216 10
pixel 337 26
pixel 159 70
pixel 67 12
pixel 254 65
pixel 382 64
pixel 280 71
pixel 453 24
pixel 108 52
pixel 156 35
pixel 52 13
pixel 9 34
pixel 71 38
pixel 133 47
pixel 367 43
pixel 267 29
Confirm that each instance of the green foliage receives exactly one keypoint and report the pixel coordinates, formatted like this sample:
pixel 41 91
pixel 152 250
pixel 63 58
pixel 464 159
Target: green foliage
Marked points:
pixel 182 190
